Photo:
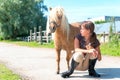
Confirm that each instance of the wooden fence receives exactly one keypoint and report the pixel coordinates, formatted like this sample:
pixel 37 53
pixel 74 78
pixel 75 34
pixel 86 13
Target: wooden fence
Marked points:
pixel 103 38
pixel 40 36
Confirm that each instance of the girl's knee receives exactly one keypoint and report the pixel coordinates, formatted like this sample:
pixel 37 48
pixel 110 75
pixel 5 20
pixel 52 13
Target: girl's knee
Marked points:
pixel 78 56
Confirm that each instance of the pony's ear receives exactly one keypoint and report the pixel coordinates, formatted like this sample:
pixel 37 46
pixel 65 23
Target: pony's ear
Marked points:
pixel 50 8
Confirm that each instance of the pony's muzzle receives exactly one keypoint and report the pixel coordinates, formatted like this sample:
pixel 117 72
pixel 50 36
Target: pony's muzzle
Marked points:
pixel 52 29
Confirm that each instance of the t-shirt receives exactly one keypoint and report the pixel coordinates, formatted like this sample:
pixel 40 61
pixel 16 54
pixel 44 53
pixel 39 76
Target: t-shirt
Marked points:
pixel 83 44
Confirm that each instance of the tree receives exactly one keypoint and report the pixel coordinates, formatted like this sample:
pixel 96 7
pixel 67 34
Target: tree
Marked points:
pixel 100 22
pixel 17 17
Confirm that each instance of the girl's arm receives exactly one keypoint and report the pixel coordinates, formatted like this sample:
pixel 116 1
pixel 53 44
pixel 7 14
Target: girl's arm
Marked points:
pixel 78 49
pixel 99 53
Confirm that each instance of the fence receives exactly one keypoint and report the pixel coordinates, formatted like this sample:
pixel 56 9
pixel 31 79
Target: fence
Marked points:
pixel 103 38
pixel 40 36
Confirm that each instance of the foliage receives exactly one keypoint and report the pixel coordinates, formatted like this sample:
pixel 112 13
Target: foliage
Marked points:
pixel 6 74
pixel 100 22
pixel 17 17
pixel 114 41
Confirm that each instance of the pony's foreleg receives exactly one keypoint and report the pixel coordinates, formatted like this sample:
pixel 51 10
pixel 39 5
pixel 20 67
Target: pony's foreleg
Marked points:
pixel 58 60
pixel 69 55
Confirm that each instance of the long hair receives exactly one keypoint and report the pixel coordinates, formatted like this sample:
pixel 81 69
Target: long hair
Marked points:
pixel 90 26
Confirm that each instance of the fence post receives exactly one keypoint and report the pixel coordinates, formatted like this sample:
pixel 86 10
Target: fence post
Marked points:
pixel 30 35
pixel 35 34
pixel 104 37
pixel 39 35
pixel 40 29
pixel 47 37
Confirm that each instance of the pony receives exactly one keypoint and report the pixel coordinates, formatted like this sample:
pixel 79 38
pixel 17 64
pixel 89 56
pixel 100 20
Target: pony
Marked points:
pixel 64 33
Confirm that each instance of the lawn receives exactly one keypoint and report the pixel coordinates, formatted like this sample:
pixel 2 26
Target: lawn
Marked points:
pixel 6 74
pixel 31 44
pixel 110 49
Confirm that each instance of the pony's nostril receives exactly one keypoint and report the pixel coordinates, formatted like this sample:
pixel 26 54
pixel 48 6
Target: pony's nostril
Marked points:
pixel 53 28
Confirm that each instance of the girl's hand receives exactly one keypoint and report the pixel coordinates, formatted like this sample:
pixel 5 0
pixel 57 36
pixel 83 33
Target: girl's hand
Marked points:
pixel 93 52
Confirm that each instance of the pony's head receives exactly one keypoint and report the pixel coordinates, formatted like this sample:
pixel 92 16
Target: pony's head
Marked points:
pixel 57 19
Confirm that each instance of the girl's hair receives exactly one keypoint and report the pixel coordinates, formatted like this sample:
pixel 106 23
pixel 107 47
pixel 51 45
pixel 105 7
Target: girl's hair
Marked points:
pixel 90 26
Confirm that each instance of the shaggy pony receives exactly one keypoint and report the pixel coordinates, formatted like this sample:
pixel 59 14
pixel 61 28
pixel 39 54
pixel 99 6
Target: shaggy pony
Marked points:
pixel 64 33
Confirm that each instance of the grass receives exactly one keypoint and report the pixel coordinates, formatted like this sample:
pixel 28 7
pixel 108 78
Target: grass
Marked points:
pixel 6 74
pixel 110 49
pixel 106 48
pixel 31 44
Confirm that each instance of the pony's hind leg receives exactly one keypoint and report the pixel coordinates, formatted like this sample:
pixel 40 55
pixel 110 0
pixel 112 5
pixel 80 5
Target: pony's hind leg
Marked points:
pixel 58 60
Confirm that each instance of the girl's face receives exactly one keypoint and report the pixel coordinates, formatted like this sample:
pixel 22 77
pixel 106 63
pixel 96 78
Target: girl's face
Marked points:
pixel 84 32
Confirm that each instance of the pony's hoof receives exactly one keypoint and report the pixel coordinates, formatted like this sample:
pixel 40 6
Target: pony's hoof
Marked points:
pixel 57 72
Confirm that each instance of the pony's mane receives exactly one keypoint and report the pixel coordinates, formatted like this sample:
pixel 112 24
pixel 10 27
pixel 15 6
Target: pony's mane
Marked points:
pixel 64 20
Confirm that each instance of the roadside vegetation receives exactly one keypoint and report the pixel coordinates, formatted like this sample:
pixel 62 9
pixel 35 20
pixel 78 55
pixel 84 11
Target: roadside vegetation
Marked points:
pixel 30 44
pixel 100 22
pixel 6 74
pixel 17 18
pixel 110 48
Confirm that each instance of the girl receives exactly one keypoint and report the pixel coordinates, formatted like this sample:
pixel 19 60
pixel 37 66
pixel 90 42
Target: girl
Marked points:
pixel 85 38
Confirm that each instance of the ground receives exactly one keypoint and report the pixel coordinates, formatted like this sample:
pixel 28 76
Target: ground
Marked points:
pixel 40 64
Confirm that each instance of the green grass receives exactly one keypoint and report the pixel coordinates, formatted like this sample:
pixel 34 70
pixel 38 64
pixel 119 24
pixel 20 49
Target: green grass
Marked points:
pixel 106 49
pixel 6 74
pixel 31 44
pixel 109 49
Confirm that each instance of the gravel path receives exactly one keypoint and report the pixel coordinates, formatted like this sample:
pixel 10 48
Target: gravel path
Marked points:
pixel 40 64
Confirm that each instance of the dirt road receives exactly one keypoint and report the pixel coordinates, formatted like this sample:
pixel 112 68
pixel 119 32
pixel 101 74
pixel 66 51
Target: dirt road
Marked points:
pixel 40 64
